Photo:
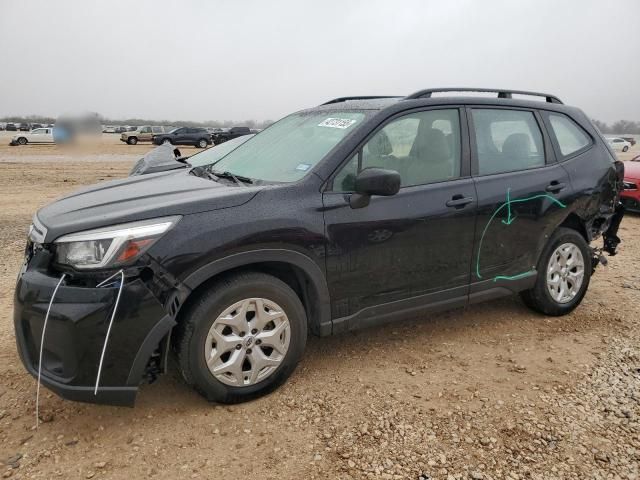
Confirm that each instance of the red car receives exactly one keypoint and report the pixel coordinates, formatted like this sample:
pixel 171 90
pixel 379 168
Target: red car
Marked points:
pixel 630 196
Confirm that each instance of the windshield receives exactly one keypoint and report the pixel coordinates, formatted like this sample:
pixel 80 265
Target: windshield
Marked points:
pixel 291 147
pixel 174 130
pixel 212 155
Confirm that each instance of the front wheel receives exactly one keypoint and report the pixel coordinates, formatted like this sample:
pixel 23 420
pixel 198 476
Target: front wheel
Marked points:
pixel 132 140
pixel 22 141
pixel 166 141
pixel 202 143
pixel 564 272
pixel 625 149
pixel 242 338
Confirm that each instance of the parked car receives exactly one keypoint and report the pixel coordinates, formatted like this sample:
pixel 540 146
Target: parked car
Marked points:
pixel 109 129
pixel 166 157
pixel 345 215
pixel 221 137
pixel 38 135
pixel 36 125
pixel 142 134
pixel 11 127
pixel 198 137
pixel 631 140
pixel 24 127
pixel 619 144
pixel 630 196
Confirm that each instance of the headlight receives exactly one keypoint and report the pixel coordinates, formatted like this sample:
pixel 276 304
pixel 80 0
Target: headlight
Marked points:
pixel 111 246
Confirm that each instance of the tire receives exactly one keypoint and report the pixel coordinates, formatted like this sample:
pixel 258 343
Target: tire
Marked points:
pixel 166 141
pixel 194 339
pixel 625 149
pixel 202 143
pixel 132 140
pixel 539 298
pixel 22 141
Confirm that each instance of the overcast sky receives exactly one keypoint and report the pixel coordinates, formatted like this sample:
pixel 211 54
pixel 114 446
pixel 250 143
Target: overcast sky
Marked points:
pixel 237 60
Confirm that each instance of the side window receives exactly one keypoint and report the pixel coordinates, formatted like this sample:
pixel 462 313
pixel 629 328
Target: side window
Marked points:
pixel 422 147
pixel 570 137
pixel 507 140
pixel 146 130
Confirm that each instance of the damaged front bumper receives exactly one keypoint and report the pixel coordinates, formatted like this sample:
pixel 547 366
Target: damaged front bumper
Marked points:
pixel 76 332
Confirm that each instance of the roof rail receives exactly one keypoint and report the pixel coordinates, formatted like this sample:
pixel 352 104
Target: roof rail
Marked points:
pixel 365 97
pixel 502 93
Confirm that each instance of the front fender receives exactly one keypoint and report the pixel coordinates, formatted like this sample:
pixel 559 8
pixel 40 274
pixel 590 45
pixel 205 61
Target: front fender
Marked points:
pixel 322 311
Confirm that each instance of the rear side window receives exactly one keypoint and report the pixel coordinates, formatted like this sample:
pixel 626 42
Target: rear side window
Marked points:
pixel 507 140
pixel 570 137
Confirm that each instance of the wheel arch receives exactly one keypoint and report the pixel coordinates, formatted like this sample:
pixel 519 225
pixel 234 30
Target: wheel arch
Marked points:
pixel 296 269
pixel 574 222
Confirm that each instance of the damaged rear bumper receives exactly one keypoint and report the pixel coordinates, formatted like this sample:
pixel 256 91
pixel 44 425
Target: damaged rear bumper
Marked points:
pixel 76 333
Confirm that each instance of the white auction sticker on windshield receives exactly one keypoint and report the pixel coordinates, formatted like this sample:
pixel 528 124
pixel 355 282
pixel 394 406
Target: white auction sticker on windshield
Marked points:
pixel 337 123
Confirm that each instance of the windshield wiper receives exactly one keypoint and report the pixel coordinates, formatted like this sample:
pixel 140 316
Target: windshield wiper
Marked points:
pixel 239 179
pixel 202 172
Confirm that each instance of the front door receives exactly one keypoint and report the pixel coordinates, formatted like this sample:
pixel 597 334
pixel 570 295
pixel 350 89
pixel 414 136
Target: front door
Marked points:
pixel 415 246
pixel 522 192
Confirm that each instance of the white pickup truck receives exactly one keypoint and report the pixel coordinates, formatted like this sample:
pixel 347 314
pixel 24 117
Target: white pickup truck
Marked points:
pixel 37 135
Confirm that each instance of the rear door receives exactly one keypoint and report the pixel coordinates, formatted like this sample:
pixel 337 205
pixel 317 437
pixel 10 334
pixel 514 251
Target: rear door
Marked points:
pixel 145 134
pixel 522 192
pixel 413 248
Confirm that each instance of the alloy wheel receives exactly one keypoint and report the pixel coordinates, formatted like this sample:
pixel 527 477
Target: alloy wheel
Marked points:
pixel 565 272
pixel 247 342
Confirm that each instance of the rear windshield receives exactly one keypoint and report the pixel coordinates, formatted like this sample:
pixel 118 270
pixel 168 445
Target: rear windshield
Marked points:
pixel 291 147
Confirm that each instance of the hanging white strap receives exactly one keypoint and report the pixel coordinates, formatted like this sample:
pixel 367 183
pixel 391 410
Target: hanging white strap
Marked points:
pixel 44 329
pixel 113 315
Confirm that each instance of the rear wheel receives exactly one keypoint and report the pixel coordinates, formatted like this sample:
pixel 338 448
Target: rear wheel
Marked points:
pixel 202 143
pixel 242 338
pixel 132 140
pixel 564 272
pixel 22 141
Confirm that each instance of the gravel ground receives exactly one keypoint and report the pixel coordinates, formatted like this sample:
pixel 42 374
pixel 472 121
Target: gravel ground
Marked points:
pixel 490 392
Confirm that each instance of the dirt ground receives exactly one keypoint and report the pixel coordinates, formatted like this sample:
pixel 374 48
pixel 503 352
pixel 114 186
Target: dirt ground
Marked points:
pixel 491 392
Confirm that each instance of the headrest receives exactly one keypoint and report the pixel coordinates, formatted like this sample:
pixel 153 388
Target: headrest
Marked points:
pixel 431 144
pixel 517 145
pixel 380 144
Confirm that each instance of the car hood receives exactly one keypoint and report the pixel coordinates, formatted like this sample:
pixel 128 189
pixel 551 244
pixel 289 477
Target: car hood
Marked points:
pixel 632 170
pixel 139 198
pixel 159 159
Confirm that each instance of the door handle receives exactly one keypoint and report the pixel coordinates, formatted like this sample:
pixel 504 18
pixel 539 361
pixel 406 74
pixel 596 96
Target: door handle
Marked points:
pixel 555 187
pixel 459 201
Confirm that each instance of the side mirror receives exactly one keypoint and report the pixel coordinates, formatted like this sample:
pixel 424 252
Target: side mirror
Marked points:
pixel 374 181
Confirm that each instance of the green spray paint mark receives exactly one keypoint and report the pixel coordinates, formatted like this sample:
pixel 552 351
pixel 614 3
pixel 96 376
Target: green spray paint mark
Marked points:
pixel 509 221
pixel 514 277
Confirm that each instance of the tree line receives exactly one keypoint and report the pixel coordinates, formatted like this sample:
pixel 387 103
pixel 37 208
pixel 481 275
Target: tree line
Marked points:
pixel 146 121
pixel 620 127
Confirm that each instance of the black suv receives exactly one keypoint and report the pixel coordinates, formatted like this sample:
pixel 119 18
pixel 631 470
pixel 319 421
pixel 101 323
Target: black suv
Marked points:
pixel 234 132
pixel 355 212
pixel 198 137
